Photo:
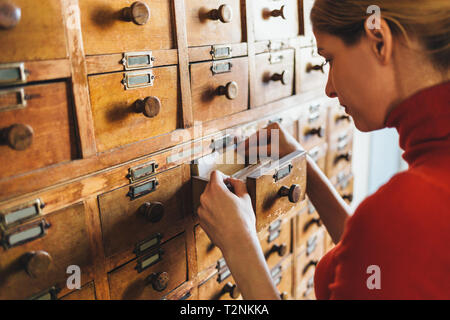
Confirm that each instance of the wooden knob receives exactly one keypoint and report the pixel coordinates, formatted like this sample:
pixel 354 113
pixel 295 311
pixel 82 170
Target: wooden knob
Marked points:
pixel 310 67
pixel 153 212
pixel 38 263
pixel 149 106
pixel 230 90
pixel 224 14
pixel 284 295
pixel 9 15
pixel 18 136
pixel 278 13
pixel 293 193
pixel 232 289
pixel 284 77
pixel 138 13
pixel 159 281
pixel 320 132
pixel 280 249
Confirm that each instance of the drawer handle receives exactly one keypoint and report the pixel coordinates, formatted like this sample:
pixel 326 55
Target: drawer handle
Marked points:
pixel 230 90
pixel 232 289
pixel 280 249
pixel 284 77
pixel 159 281
pixel 138 13
pixel 293 193
pixel 311 222
pixel 347 157
pixel 18 136
pixel 310 264
pixel 224 14
pixel 310 67
pixel 320 132
pixel 341 118
pixel 278 13
pixel 348 197
pixel 153 212
pixel 149 106
pixel 9 15
pixel 37 263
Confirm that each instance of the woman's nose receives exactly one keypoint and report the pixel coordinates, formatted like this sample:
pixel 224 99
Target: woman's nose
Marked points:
pixel 329 89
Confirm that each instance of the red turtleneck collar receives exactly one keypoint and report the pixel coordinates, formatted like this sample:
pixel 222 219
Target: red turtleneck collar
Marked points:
pixel 423 122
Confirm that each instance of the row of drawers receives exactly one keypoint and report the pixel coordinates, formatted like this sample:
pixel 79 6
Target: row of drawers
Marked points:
pixel 127 26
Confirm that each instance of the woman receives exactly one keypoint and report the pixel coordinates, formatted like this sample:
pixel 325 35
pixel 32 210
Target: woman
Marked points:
pixel 394 75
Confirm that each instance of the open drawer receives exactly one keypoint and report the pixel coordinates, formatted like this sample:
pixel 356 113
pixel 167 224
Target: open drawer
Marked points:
pixel 275 187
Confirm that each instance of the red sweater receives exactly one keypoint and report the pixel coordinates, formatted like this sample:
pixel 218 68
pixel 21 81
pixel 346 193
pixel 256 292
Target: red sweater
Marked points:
pixel 404 227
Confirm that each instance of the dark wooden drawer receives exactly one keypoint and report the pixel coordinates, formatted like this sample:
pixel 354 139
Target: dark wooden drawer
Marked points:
pixel 207 253
pixel 276 241
pixel 36 254
pixel 274 76
pixel 148 108
pixel 39 33
pixel 219 287
pixel 216 94
pixel 105 30
pixel 152 275
pixel 132 215
pixel 28 130
pixel 214 22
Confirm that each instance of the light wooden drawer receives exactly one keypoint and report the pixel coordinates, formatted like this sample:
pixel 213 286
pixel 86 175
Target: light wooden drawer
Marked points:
pixel 313 125
pixel 152 275
pixel 338 120
pixel 220 286
pixel 319 155
pixel 28 130
pixel 35 23
pixel 305 289
pixel 343 182
pixel 36 254
pixel 313 73
pixel 276 19
pixel 131 216
pixel 339 152
pixel 147 109
pixel 106 30
pixel 214 22
pixel 308 223
pixel 207 253
pixel 87 292
pixel 276 241
pixel 308 39
pixel 216 94
pixel 274 188
pixel 274 76
pixel 282 277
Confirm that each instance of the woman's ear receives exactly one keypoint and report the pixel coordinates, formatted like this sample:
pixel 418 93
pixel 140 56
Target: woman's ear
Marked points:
pixel 381 41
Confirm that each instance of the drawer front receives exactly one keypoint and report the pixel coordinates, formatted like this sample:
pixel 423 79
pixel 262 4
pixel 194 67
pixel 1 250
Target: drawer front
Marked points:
pixel 212 289
pixel 29 137
pixel 214 22
pixel 129 222
pixel 276 241
pixel 216 95
pixel 274 76
pixel 87 292
pixel 338 120
pixel 124 116
pixel 305 289
pixel 41 251
pixel 339 156
pixel 38 23
pixel 313 73
pixel 276 19
pixel 313 125
pixel 319 155
pixel 308 223
pixel 282 277
pixel 109 27
pixel 308 40
pixel 207 253
pixel 343 182
pixel 166 270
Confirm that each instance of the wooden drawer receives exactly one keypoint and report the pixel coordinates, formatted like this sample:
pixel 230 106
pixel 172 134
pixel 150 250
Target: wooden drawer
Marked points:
pixel 36 255
pixel 276 241
pixel 338 120
pixel 105 30
pixel 215 95
pixel 117 120
pixel 207 253
pixel 218 288
pixel 276 19
pixel 319 155
pixel 129 220
pixel 274 76
pixel 264 184
pixel 313 125
pixel 152 275
pixel 305 289
pixel 87 292
pixel 339 152
pixel 282 277
pixel 313 73
pixel 308 223
pixel 28 130
pixel 343 182
pixel 308 39
pixel 214 22
pixel 38 23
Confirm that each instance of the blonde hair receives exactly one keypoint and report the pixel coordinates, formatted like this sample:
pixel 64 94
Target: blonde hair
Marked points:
pixel 428 21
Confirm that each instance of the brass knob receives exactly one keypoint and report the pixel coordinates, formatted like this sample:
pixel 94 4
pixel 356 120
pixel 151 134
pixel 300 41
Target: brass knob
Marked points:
pixel 37 263
pixel 159 281
pixel 153 212
pixel 9 15
pixel 224 14
pixel 284 77
pixel 232 289
pixel 149 106
pixel 138 13
pixel 278 13
pixel 280 249
pixel 310 67
pixel 293 193
pixel 320 132
pixel 18 136
pixel 230 90
pixel 284 295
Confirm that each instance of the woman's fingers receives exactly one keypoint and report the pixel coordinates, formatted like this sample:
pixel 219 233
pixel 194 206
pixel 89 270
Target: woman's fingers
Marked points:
pixel 239 187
